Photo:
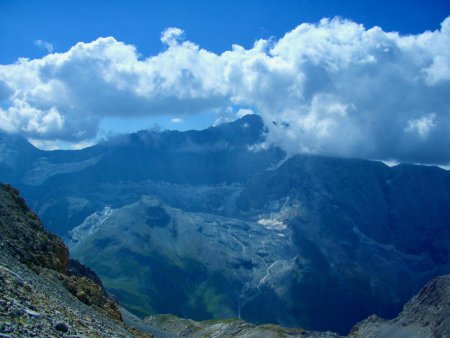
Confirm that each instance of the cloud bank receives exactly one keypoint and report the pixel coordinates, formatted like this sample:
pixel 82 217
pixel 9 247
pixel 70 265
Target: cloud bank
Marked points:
pixel 333 88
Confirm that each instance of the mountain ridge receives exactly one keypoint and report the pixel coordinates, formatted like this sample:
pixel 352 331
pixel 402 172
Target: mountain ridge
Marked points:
pixel 247 230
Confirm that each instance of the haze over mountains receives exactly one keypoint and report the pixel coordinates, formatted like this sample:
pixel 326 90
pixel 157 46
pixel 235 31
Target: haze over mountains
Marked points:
pixel 206 224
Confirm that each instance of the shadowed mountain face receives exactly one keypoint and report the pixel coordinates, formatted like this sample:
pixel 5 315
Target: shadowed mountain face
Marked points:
pixel 202 225
pixel 425 315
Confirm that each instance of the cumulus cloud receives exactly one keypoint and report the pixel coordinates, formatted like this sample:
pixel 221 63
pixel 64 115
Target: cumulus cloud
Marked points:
pixel 333 88
pixel 172 36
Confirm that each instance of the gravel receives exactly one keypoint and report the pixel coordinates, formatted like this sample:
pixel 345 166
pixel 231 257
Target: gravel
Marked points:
pixel 34 305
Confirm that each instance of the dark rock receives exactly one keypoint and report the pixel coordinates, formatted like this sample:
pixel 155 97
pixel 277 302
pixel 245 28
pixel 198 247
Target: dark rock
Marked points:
pixel 157 217
pixel 62 327
pixel 75 268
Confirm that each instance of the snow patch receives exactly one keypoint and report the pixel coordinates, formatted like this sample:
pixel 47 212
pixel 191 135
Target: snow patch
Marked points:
pixel 90 225
pixel 272 224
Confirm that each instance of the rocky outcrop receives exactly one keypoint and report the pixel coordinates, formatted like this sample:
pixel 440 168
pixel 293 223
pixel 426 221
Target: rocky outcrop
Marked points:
pixel 38 282
pixel 75 268
pixel 84 284
pixel 90 293
pixel 23 235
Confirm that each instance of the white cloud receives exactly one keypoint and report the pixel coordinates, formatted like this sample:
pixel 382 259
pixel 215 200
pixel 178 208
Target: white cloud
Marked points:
pixel 332 88
pixel 30 120
pixel 55 145
pixel 176 120
pixel 244 111
pixel 47 46
pixel 172 36
pixel 421 126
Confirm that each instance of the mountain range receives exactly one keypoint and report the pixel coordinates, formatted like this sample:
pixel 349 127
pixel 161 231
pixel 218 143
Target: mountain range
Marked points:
pixel 215 224
pixel 46 293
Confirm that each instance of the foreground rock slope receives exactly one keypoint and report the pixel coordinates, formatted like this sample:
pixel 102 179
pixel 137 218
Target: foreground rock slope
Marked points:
pixel 43 293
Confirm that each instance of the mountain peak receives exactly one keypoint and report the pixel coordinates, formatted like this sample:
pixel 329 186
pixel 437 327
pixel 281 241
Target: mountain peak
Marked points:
pixel 16 141
pixel 252 121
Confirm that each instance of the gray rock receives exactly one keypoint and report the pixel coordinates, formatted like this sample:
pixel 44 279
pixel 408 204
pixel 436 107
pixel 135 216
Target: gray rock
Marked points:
pixel 32 313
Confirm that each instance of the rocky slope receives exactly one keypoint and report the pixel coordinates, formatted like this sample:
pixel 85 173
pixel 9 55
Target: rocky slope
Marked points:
pixel 33 305
pixel 42 292
pixel 23 236
pixel 177 327
pixel 366 236
pixel 208 225
pixel 426 315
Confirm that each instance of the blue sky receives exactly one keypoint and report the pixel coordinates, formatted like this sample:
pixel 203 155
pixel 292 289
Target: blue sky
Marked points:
pixel 214 25
pixel 343 86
